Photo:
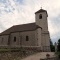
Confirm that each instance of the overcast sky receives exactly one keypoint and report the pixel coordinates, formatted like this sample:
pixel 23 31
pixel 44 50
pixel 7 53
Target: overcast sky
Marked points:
pixel 14 12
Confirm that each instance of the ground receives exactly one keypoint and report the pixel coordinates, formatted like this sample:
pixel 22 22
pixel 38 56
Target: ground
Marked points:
pixel 17 54
pixel 39 55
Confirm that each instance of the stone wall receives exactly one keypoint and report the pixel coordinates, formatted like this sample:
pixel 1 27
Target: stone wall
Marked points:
pixel 15 55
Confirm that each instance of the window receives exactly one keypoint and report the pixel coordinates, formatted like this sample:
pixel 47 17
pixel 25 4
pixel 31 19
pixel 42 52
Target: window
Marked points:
pixel 27 38
pixel 40 16
pixel 14 39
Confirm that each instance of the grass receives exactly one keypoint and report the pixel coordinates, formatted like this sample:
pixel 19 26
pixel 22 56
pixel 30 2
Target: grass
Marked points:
pixel 9 49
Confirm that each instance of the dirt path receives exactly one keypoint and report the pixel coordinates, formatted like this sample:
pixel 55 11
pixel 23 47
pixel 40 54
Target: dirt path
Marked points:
pixel 37 56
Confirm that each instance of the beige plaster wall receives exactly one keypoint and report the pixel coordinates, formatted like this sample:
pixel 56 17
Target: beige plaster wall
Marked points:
pixel 32 38
pixel 4 40
pixel 42 22
pixel 39 36
pixel 17 43
pixel 21 39
pixel 45 42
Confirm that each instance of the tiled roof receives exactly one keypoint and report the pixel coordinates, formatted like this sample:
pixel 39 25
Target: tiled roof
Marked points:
pixel 20 28
pixel 41 10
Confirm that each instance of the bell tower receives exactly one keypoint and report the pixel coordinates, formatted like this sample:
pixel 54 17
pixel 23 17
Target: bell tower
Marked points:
pixel 43 35
pixel 41 19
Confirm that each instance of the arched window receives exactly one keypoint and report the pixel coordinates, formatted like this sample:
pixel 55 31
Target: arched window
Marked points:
pixel 14 39
pixel 40 16
pixel 27 38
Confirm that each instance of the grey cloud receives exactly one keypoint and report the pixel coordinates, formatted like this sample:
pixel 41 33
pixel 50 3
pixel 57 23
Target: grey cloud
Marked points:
pixel 19 1
pixel 6 6
pixel 55 27
pixel 2 1
pixel 2 27
pixel 55 37
pixel 56 22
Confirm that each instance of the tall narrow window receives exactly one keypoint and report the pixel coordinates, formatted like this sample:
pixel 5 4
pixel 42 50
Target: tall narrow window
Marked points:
pixel 14 39
pixel 40 16
pixel 27 38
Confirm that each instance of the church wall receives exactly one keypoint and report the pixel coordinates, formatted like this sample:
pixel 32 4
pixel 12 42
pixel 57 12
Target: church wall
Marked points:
pixel 36 38
pixel 21 39
pixel 45 42
pixel 31 38
pixel 39 37
pixel 42 22
pixel 4 40
pixel 43 36
pixel 15 39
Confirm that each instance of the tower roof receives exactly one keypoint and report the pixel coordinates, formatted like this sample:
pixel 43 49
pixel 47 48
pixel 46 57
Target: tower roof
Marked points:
pixel 41 10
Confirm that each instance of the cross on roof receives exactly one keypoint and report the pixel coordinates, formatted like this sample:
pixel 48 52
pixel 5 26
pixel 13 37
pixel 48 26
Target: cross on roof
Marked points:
pixel 41 7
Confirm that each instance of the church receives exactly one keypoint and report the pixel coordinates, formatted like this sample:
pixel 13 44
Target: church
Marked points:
pixel 31 35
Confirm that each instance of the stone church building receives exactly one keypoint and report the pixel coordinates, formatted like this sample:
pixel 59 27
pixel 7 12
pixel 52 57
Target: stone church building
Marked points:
pixel 35 35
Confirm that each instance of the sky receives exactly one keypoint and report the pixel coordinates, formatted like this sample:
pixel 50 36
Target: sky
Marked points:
pixel 14 12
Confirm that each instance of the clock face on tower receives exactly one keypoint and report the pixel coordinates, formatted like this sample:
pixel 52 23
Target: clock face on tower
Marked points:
pixel 40 16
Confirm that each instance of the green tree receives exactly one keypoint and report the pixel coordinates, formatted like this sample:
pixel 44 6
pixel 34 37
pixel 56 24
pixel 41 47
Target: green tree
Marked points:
pixel 52 47
pixel 58 47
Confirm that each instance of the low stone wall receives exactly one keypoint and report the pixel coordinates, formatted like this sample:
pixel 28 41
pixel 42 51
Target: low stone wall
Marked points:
pixel 15 54
pixel 36 49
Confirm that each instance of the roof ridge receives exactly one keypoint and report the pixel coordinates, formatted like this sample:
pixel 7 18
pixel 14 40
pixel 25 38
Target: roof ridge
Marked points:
pixel 24 24
pixel 21 28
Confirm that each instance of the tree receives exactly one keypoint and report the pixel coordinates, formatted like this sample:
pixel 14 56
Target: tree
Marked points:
pixel 52 47
pixel 58 47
